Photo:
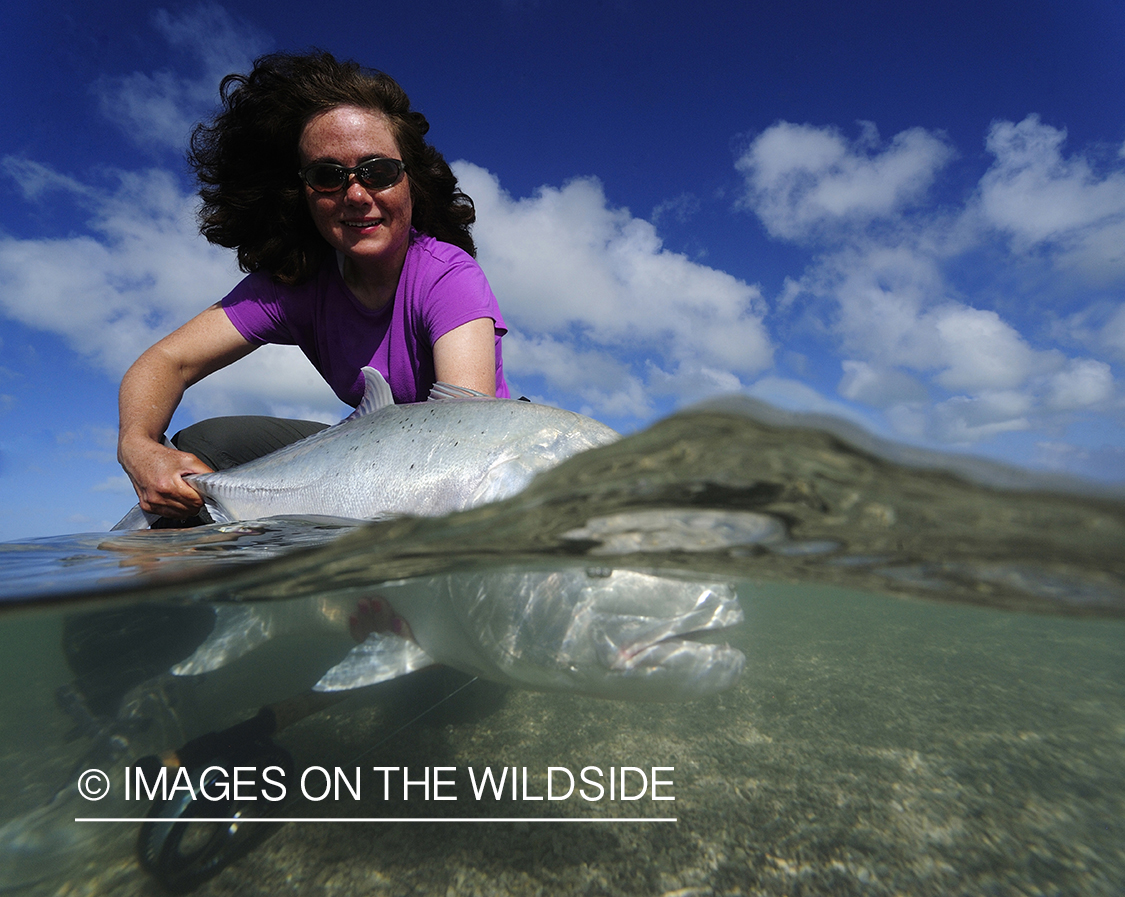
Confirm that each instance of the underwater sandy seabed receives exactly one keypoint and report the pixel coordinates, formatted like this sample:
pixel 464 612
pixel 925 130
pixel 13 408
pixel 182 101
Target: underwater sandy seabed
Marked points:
pixel 874 746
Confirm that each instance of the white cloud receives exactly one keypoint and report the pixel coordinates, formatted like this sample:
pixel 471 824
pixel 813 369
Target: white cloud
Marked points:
pixel 599 379
pixel 886 297
pixel 681 209
pixel 275 380
pixel 964 420
pixel 34 180
pixel 880 387
pixel 1034 193
pixel 795 395
pixel 892 310
pixel 1113 334
pixel 802 180
pixel 980 351
pixel 161 108
pixel 1084 383
pixel 141 272
pixel 1100 327
pixel 1042 199
pixel 579 279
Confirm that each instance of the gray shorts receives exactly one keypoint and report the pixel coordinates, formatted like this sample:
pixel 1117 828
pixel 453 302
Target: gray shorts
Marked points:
pixel 223 442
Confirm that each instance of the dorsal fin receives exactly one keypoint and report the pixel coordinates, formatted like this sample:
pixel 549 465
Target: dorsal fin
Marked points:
pixel 376 394
pixel 439 392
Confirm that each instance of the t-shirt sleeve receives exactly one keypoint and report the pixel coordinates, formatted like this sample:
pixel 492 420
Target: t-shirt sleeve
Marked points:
pixel 460 295
pixel 456 292
pixel 257 309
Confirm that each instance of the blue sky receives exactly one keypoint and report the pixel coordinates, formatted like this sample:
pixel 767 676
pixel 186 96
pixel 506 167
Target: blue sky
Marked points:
pixel 908 214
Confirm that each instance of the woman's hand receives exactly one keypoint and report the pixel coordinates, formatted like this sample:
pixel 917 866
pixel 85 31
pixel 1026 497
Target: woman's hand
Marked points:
pixel 157 473
pixel 150 391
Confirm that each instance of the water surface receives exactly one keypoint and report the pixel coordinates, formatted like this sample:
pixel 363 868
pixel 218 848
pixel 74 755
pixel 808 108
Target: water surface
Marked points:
pixel 934 699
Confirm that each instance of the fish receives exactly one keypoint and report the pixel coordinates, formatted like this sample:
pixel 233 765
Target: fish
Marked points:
pixel 619 634
pixel 604 633
pixel 456 451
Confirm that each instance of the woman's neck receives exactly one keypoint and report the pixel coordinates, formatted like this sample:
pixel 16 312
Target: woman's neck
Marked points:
pixel 374 288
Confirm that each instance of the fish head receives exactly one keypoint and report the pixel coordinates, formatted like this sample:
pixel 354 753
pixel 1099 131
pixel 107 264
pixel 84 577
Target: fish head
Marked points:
pixel 535 440
pixel 618 634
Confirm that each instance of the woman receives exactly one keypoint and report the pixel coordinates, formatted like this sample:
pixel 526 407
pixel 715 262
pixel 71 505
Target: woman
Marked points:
pixel 357 246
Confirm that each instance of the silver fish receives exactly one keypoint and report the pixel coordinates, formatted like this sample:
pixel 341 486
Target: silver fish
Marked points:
pixel 616 634
pixel 454 452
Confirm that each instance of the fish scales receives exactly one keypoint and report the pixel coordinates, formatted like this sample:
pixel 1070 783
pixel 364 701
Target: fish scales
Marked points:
pixel 424 459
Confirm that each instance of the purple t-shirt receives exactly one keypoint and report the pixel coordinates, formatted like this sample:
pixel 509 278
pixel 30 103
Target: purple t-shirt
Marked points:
pixel 441 288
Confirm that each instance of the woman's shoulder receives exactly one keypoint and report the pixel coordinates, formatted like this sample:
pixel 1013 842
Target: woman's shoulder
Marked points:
pixel 427 250
pixel 262 293
pixel 433 266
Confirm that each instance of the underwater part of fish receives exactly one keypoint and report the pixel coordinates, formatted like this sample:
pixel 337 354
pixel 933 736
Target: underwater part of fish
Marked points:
pixel 453 452
pixel 617 634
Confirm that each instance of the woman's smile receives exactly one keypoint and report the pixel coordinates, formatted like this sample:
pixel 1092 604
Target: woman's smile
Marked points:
pixel 371 228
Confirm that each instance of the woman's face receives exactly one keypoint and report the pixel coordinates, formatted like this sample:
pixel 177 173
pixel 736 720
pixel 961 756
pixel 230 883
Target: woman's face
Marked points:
pixel 370 227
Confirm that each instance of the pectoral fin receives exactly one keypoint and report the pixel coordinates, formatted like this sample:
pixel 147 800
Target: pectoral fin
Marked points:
pixel 379 658
pixel 239 629
pixel 136 519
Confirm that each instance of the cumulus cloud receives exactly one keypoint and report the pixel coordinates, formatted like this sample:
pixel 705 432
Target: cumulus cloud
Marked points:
pixel 160 109
pixel 942 365
pixel 1100 327
pixel 1043 199
pixel 1083 383
pixel 803 180
pixel 591 288
pixel 140 271
pixel 135 272
pixel 881 387
pixel 980 351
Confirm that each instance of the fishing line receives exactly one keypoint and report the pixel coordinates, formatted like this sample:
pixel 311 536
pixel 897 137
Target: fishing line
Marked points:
pixel 401 728
pixel 407 725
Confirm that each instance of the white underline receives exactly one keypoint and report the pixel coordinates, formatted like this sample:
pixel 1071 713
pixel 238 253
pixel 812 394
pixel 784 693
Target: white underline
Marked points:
pixel 367 819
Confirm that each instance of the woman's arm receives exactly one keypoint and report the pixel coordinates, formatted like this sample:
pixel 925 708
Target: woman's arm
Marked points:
pixel 150 392
pixel 466 356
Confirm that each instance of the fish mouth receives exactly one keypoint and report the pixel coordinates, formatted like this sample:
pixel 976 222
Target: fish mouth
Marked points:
pixel 654 654
pixel 674 668
pixel 674 651
pixel 632 644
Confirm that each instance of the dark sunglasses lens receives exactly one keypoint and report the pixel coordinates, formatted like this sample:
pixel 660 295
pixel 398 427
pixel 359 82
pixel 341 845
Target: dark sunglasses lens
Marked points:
pixel 325 178
pixel 379 173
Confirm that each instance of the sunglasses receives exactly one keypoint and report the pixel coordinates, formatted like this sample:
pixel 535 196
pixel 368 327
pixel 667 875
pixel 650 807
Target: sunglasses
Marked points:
pixel 374 174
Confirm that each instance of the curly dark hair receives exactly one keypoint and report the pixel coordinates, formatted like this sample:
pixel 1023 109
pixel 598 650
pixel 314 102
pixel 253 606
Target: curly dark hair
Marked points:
pixel 246 160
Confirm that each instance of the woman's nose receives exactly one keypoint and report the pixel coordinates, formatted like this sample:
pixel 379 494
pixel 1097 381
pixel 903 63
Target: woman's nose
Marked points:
pixel 355 191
